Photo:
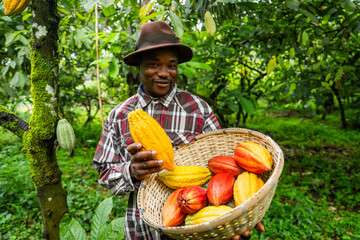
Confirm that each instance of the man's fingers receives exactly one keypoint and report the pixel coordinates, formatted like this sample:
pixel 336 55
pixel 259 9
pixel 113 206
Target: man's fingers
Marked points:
pixel 260 227
pixel 148 164
pixel 142 156
pixel 134 148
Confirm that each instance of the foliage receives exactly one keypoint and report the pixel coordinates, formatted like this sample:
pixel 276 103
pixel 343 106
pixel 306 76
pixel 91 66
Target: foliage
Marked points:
pixel 70 229
pixel 306 51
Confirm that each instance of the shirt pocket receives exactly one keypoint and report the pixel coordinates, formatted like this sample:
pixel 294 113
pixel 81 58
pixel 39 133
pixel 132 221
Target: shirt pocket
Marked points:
pixel 184 127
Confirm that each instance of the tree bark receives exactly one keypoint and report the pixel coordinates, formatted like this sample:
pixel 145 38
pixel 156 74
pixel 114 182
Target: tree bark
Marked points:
pixel 341 107
pixel 12 122
pixel 39 141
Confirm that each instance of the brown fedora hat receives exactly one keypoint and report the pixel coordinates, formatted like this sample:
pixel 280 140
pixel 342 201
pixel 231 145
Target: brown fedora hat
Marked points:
pixel 155 35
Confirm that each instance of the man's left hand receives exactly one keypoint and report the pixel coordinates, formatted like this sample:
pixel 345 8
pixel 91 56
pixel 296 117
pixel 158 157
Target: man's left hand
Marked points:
pixel 247 234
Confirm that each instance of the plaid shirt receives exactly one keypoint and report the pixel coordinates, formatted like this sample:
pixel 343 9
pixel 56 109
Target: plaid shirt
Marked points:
pixel 181 114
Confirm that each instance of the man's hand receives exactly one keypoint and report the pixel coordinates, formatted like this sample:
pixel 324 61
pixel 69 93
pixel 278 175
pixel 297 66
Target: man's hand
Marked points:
pixel 247 234
pixel 142 163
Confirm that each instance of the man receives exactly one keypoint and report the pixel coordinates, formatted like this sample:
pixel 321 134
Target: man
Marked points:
pixel 183 116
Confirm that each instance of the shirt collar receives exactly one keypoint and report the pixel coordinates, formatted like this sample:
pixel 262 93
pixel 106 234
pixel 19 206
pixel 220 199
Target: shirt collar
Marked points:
pixel 146 99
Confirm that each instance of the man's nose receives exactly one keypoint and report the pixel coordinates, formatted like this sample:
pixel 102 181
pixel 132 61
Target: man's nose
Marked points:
pixel 163 72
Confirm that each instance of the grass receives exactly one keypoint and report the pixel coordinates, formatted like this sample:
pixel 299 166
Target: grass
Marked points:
pixel 316 198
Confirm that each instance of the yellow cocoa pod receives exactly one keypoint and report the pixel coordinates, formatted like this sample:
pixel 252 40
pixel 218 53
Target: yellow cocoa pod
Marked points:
pixel 246 185
pixel 184 176
pixel 13 7
pixel 146 130
pixel 206 214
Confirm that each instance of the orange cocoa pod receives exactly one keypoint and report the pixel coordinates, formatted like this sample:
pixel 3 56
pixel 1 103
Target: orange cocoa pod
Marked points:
pixel 246 185
pixel 253 157
pixel 172 214
pixel 220 188
pixel 192 198
pixel 224 164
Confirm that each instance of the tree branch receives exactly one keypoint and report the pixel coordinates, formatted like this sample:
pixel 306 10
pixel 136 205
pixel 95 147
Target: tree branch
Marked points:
pixel 13 123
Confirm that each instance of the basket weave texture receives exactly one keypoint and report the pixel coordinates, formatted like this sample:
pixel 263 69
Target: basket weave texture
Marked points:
pixel 153 193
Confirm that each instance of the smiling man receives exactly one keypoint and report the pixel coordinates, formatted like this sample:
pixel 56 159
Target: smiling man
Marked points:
pixel 119 161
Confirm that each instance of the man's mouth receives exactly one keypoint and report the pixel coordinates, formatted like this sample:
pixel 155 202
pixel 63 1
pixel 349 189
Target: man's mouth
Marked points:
pixel 162 83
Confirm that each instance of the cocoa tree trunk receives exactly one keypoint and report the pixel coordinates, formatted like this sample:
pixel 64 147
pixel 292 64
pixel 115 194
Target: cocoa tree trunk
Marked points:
pixel 341 107
pixel 39 140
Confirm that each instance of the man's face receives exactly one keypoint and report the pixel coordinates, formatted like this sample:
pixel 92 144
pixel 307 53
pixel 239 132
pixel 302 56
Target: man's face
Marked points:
pixel 158 71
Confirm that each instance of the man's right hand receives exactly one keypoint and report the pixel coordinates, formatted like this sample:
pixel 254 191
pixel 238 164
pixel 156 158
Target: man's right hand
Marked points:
pixel 142 163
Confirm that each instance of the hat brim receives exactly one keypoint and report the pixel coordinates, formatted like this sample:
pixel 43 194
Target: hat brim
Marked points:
pixel 185 53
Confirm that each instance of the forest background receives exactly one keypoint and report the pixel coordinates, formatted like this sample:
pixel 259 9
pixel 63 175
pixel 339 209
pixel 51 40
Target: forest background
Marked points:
pixel 289 69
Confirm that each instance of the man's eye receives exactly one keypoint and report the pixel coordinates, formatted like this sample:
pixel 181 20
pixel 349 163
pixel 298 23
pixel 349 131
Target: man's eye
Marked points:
pixel 172 66
pixel 153 65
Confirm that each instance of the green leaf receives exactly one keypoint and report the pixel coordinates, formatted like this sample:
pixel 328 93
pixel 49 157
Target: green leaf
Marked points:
pixel 305 38
pixel 292 53
pixel 109 11
pixel 9 38
pixel 232 106
pixel 115 49
pixel 158 15
pixel 26 16
pixel 292 88
pixel 177 24
pixel 355 37
pixel 106 3
pixel 328 76
pixel 199 65
pixel 88 4
pixel 144 10
pixel 114 69
pixel 246 105
pixel 348 5
pixel 103 62
pixel 271 65
pixel 326 85
pixel 339 74
pixel 309 15
pixel 280 60
pixel 9 91
pixel 12 64
pixel 292 4
pixel 202 90
pixel 72 231
pixel 19 80
pixel 189 72
pixel 118 224
pixel 114 230
pixel 101 217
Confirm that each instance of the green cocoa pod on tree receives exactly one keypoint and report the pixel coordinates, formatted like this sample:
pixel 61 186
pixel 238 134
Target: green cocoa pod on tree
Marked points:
pixel 65 135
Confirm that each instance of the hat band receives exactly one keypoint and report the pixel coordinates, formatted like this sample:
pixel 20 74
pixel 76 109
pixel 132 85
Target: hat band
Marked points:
pixel 155 39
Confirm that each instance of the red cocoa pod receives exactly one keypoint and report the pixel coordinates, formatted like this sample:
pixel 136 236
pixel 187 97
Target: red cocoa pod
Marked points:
pixel 224 164
pixel 220 188
pixel 253 157
pixel 172 214
pixel 192 198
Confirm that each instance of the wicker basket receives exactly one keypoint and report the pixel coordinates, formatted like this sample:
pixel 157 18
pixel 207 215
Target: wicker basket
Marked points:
pixel 153 193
